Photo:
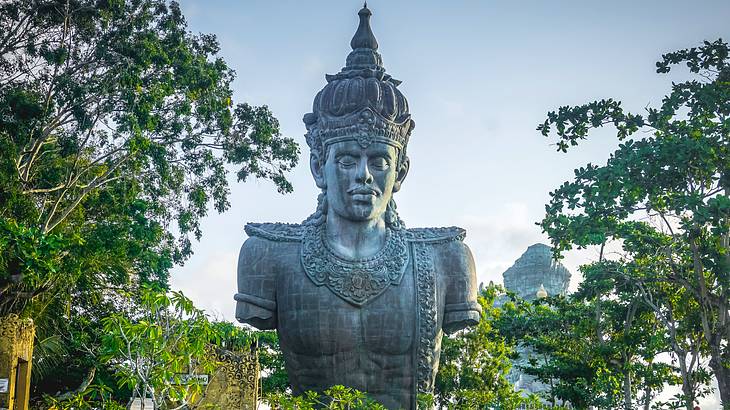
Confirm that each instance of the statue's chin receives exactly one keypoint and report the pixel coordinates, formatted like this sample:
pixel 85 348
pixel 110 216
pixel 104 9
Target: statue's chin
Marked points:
pixel 360 213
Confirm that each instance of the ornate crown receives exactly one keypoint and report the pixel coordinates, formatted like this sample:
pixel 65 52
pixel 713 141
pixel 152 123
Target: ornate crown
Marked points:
pixel 360 102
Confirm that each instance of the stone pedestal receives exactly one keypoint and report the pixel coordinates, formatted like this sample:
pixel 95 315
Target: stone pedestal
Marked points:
pixel 16 352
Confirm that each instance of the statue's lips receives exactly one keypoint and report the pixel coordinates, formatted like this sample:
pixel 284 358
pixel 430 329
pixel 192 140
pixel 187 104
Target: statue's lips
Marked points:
pixel 363 198
pixel 363 194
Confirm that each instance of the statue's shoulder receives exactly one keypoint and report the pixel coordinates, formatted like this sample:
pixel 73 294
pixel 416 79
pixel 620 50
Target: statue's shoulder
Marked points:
pixel 447 246
pixel 441 235
pixel 276 232
pixel 269 245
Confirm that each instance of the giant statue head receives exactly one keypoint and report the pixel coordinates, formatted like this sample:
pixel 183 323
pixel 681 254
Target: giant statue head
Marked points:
pixel 357 133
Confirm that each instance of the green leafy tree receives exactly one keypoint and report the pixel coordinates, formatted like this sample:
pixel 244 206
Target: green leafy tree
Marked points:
pixel 92 398
pixel 115 102
pixel 274 378
pixel 155 342
pixel 334 398
pixel 673 315
pixel 664 196
pixel 474 363
pixel 558 337
pixel 634 330
pixel 593 348
pixel 117 128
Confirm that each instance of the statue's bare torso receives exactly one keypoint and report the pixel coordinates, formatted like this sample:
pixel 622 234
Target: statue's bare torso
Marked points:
pixel 328 341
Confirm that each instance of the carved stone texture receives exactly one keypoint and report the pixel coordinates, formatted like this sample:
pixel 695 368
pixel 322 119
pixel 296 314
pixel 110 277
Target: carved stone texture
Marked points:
pixel 534 268
pixel 356 281
pixel 16 353
pixel 234 385
pixel 358 299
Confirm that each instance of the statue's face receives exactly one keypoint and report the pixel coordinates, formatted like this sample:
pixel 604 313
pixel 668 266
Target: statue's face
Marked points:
pixel 360 181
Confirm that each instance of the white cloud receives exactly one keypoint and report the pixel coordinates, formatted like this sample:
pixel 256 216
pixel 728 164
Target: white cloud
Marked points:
pixel 499 238
pixel 210 284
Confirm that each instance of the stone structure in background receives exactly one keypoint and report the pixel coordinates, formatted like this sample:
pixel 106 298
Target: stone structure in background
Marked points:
pixel 16 352
pixel 534 275
pixel 534 269
pixel 358 299
pixel 234 385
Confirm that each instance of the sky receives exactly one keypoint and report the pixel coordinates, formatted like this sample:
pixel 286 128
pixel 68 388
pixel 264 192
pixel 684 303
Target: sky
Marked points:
pixel 479 77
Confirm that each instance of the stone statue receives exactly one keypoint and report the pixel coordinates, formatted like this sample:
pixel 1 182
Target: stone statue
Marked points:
pixel 358 299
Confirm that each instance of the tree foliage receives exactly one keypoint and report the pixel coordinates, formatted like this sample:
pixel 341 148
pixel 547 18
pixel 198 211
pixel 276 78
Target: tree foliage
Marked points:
pixel 474 363
pixel 154 342
pixel 596 347
pixel 334 398
pixel 664 197
pixel 117 132
pixel 92 398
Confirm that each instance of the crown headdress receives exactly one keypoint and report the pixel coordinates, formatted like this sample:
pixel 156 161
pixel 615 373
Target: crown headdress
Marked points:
pixel 360 102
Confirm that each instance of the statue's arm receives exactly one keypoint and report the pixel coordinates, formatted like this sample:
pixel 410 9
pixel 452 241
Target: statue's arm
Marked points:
pixel 256 297
pixel 461 309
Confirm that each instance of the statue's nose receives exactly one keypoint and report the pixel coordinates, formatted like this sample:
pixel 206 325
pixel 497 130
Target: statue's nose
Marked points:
pixel 363 172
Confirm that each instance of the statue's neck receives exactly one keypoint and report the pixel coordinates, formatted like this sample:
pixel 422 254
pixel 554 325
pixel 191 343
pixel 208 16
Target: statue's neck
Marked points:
pixel 355 239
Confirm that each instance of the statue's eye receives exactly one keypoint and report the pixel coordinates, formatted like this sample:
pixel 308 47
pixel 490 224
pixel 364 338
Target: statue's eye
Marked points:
pixel 346 161
pixel 379 163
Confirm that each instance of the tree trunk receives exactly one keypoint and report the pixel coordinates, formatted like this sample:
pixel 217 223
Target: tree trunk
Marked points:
pixel 713 335
pixel 627 389
pixel 722 374
pixel 647 398
pixel 687 390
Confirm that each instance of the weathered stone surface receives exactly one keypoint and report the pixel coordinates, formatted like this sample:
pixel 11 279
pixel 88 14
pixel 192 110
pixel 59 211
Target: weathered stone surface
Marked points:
pixel 358 299
pixel 16 353
pixel 234 385
pixel 534 268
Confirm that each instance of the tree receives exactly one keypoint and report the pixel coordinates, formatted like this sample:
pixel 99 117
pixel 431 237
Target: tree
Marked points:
pixel 630 320
pixel 558 336
pixel 92 398
pixel 274 378
pixel 117 126
pixel 587 349
pixel 664 196
pixel 474 363
pixel 334 398
pixel 103 97
pixel 155 342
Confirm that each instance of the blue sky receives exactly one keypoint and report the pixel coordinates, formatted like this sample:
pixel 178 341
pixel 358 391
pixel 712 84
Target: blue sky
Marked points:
pixel 479 76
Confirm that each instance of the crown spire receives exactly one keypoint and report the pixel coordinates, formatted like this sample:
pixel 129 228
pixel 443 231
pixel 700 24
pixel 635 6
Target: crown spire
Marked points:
pixel 364 54
pixel 364 37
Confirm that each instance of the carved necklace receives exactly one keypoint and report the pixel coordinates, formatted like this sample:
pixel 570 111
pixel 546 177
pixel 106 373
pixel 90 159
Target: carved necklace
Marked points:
pixel 356 281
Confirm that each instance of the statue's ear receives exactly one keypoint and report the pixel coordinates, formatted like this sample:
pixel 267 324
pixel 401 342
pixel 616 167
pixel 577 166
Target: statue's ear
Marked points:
pixel 402 173
pixel 317 167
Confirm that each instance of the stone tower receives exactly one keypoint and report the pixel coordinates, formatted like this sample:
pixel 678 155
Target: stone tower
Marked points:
pixel 536 267
pixel 534 275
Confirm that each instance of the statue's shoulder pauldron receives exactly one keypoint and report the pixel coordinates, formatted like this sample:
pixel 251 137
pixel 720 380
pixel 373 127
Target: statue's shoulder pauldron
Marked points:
pixel 436 235
pixel 278 232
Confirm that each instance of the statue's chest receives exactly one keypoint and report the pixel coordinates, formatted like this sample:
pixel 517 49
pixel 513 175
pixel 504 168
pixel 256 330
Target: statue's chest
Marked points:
pixel 314 320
